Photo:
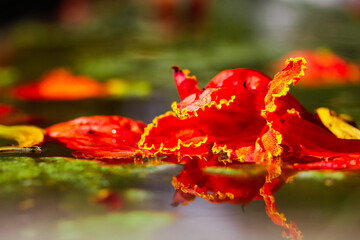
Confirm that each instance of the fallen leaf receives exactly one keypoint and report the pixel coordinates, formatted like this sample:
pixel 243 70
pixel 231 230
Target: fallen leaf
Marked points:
pixel 26 137
pixel 337 125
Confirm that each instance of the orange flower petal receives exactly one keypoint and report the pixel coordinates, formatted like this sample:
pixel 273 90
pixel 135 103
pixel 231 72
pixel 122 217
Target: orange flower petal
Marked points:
pixel 60 84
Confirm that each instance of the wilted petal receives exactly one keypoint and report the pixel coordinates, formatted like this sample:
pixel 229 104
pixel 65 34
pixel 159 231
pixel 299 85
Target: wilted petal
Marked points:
pixel 227 111
pixel 222 91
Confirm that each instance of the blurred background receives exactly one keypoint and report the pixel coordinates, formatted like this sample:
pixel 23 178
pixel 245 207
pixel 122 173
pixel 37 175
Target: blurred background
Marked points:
pixel 128 47
pixel 138 41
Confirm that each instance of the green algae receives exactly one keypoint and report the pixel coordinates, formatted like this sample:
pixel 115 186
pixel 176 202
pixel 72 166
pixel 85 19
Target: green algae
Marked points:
pixel 80 175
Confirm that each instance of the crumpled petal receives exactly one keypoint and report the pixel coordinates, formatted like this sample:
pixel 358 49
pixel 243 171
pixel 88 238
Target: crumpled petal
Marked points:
pixel 296 134
pixel 170 135
pixel 104 137
pixel 226 114
pixel 221 91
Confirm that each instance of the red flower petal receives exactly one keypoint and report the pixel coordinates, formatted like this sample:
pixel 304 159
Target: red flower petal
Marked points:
pixel 104 137
pixel 294 133
pixel 186 85
pixel 222 91
pixel 170 135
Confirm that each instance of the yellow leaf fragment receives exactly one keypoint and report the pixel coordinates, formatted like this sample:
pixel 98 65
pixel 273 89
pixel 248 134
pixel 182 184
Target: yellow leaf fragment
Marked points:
pixel 26 137
pixel 337 125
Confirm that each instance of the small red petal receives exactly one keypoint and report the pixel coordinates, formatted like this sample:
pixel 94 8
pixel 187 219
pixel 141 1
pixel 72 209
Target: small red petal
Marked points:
pixel 100 136
pixel 185 84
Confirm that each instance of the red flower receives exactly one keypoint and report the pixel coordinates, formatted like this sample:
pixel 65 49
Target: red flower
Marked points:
pixel 224 117
pixel 241 115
